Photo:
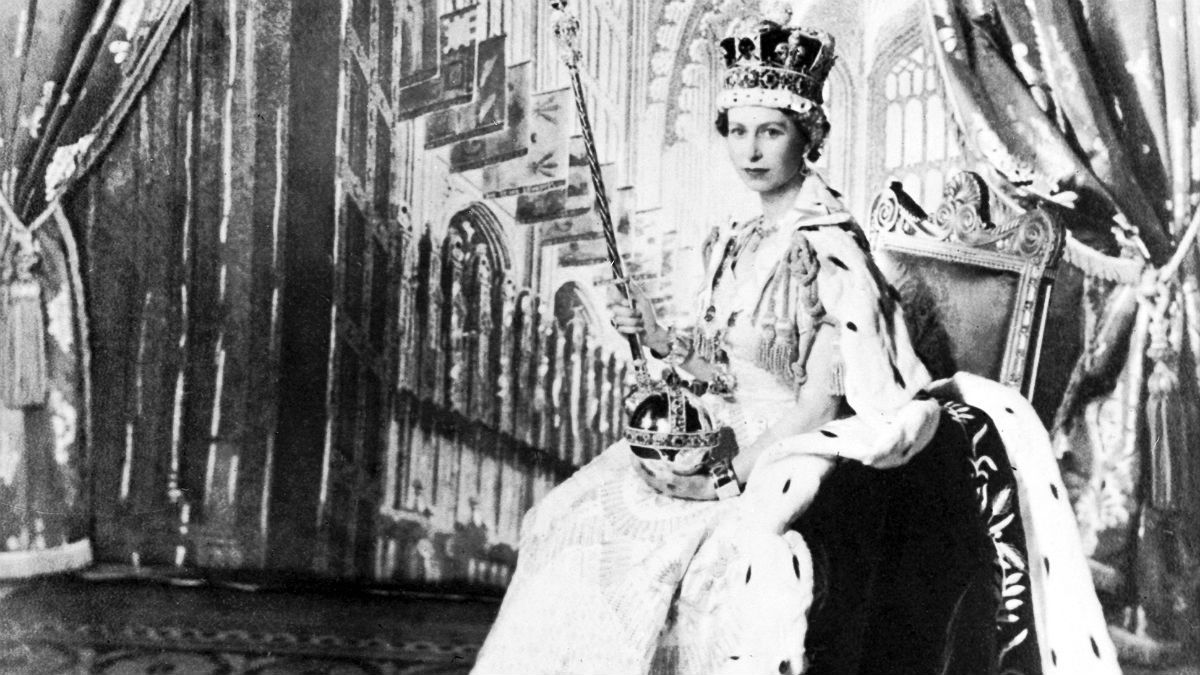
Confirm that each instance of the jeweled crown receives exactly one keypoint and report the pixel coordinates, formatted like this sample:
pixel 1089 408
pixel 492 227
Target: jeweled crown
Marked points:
pixel 776 66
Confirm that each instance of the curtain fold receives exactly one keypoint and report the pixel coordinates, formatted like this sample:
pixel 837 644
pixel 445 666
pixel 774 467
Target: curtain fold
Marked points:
pixel 69 71
pixel 1092 108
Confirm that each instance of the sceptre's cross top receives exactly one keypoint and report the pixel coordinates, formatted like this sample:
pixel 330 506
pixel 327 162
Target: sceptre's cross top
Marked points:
pixel 566 31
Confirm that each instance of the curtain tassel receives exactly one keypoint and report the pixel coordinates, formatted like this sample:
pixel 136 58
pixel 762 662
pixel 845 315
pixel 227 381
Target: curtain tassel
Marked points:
pixel 1162 389
pixel 1161 384
pixel 23 334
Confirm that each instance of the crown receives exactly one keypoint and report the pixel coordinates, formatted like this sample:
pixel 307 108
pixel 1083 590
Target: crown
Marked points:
pixel 669 424
pixel 776 66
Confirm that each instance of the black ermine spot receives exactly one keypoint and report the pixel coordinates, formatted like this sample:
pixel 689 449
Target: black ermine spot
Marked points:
pixel 828 434
pixel 1054 490
pixel 787 486
pixel 851 326
pixel 748 570
pixel 838 261
pixel 796 566
pixel 898 377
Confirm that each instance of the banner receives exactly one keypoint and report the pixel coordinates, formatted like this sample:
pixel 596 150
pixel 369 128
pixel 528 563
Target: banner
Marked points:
pixel 482 116
pixel 574 199
pixel 418 41
pixel 586 226
pixel 506 144
pixel 580 253
pixel 581 238
pixel 455 82
pixel 545 167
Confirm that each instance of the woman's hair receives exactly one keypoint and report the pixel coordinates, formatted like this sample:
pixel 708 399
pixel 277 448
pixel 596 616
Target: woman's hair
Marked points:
pixel 812 127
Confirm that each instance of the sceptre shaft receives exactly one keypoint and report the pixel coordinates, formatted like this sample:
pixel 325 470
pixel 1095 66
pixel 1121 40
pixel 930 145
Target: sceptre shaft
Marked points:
pixel 566 31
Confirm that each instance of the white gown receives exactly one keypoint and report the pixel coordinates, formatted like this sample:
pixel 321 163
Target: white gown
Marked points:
pixel 615 578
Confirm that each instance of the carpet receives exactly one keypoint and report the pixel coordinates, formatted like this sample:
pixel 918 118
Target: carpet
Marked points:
pixel 74 626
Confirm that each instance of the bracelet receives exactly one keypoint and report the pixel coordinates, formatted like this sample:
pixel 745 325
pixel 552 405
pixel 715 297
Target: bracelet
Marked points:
pixel 670 341
pixel 681 347
pixel 673 339
pixel 725 481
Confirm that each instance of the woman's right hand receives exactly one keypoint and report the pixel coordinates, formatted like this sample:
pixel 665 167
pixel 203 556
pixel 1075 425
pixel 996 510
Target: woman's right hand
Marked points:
pixel 635 316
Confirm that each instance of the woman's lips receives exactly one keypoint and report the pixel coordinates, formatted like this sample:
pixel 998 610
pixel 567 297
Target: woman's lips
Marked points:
pixel 756 173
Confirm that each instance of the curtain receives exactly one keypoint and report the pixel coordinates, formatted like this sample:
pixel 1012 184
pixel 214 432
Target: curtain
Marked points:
pixel 70 71
pixel 1091 108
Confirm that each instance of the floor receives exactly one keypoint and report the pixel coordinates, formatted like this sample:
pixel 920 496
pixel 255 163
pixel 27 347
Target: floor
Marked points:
pixel 160 626
pixel 77 626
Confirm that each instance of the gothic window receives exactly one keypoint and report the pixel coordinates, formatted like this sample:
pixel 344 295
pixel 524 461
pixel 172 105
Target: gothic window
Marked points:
pixel 571 301
pixel 915 139
pixel 834 162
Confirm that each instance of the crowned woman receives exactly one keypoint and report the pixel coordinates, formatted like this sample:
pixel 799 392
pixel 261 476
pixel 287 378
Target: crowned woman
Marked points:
pixel 850 516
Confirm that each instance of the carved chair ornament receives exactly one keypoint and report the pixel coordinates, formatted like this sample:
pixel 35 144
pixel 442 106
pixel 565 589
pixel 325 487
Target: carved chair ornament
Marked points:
pixel 960 232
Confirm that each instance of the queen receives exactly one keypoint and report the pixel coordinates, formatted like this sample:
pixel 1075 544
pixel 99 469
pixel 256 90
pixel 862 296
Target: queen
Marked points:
pixel 856 517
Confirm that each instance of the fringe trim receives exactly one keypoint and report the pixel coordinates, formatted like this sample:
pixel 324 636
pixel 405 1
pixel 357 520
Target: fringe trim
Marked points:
pixel 1099 266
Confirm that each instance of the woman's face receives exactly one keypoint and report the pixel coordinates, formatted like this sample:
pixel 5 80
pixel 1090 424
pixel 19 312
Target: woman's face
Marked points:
pixel 765 147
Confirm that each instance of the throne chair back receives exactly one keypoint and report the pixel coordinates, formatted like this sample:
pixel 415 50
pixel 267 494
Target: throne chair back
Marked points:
pixel 976 293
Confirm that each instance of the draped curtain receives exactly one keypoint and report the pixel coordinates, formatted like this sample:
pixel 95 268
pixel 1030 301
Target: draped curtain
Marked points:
pixel 1091 108
pixel 69 73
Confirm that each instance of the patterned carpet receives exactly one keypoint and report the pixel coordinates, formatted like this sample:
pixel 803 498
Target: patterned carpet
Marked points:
pixel 74 626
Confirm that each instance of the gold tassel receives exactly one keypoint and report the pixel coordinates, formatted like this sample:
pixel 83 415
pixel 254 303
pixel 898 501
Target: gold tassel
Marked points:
pixel 766 340
pixel 837 377
pixel 23 335
pixel 782 354
pixel 837 371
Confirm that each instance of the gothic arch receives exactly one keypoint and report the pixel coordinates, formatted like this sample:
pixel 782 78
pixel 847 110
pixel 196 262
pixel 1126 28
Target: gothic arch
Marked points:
pixel 898 32
pixel 836 157
pixel 477 225
pixel 906 116
pixel 571 300
pixel 682 67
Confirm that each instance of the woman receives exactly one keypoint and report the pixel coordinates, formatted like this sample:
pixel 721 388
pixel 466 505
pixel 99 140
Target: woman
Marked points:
pixel 804 357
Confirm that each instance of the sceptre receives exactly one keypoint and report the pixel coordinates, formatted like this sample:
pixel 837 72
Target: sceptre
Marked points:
pixel 566 31
pixel 669 431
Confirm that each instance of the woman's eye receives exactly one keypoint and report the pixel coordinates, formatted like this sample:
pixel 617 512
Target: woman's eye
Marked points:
pixel 773 133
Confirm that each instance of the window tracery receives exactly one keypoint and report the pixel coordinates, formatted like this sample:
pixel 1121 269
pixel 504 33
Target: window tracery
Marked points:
pixel 909 122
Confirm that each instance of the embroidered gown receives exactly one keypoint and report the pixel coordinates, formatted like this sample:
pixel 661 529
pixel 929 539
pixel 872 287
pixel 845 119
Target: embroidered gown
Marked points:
pixel 942 565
